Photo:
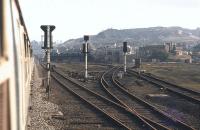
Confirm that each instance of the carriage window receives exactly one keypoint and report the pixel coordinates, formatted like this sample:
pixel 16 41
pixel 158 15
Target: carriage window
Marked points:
pixel 4 106
pixel 1 29
pixel 25 45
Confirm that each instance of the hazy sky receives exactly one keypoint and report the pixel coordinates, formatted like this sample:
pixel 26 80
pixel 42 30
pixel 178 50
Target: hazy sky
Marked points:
pixel 74 18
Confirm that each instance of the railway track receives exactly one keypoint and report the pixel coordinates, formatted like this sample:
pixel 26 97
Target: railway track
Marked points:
pixel 188 94
pixel 117 114
pixel 146 111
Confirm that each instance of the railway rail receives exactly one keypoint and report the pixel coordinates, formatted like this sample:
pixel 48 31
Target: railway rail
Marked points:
pixel 146 111
pixel 116 113
pixel 188 94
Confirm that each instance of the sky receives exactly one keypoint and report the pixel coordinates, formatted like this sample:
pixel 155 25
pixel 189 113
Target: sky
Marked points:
pixel 75 18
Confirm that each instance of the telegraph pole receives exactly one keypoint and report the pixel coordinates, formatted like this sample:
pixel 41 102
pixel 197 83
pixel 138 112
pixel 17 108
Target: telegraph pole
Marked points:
pixel 85 51
pixel 125 51
pixel 48 45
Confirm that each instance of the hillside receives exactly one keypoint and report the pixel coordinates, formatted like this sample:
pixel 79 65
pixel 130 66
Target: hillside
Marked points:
pixel 140 36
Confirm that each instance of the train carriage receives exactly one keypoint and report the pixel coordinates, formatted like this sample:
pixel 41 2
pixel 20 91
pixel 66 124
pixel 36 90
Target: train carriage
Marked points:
pixel 16 66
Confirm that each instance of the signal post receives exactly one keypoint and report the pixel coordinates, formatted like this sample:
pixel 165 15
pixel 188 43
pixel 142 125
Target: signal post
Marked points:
pixel 125 51
pixel 48 45
pixel 85 51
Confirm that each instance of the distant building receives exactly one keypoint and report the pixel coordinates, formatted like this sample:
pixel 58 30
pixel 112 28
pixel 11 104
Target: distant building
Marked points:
pixel 185 52
pixel 196 56
pixel 171 46
pixel 147 51
pixel 55 52
pixel 188 60
pixel 112 54
pixel 178 52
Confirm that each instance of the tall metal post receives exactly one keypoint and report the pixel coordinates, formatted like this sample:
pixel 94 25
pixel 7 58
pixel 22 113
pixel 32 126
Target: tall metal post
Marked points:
pixel 86 38
pixel 125 62
pixel 86 72
pixel 48 59
pixel 106 58
pixel 48 69
pixel 124 50
pixel 48 45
